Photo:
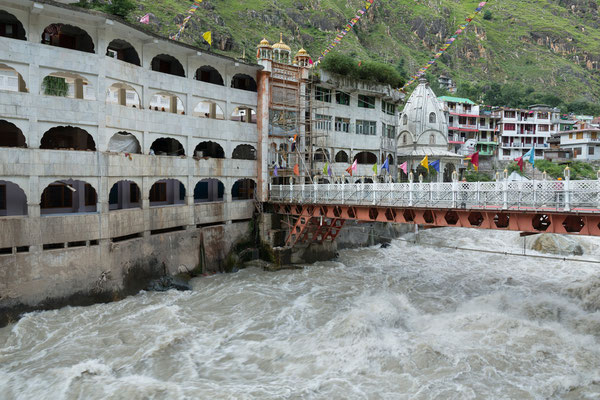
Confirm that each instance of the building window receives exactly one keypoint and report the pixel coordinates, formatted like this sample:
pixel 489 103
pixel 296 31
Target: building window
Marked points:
pixel 542 115
pixel 590 152
pixel 366 101
pixel 158 192
pixel 323 122
pixel 509 114
pixel 432 139
pixel 467 108
pixel 57 196
pixel 509 127
pixel 342 98
pixel 90 195
pixel 342 124
pixel 134 193
pixel 576 151
pixel 404 139
pixel 323 94
pixel 570 135
pixel 2 197
pixel 388 108
pixel 432 118
pixel 594 135
pixel 579 135
pixel 366 127
pixel 388 131
pixel 505 152
pixel 404 119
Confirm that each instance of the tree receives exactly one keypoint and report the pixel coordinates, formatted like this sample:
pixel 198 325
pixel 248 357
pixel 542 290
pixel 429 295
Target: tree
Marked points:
pixel 487 15
pixel 120 8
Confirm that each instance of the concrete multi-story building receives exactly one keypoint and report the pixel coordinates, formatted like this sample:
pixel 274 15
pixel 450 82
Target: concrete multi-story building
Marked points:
pixel 121 152
pixel 521 129
pixel 583 142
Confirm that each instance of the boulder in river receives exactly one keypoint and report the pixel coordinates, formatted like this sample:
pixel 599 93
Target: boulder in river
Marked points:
pixel 165 283
pixel 555 244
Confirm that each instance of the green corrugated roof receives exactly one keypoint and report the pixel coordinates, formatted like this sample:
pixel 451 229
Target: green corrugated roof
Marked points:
pixel 455 100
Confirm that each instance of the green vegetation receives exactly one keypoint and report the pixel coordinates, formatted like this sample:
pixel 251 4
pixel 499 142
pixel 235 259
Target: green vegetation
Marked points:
pixel 55 86
pixel 475 176
pixel 342 64
pixel 121 8
pixel 487 15
pixel 579 170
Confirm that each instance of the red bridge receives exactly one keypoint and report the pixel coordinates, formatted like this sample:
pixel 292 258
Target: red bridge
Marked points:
pixel 318 211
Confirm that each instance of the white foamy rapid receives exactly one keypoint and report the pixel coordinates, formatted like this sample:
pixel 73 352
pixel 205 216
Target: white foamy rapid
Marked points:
pixel 406 322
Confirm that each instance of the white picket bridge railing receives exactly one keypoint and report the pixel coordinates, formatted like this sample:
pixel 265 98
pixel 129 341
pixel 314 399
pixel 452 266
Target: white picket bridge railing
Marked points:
pixel 567 195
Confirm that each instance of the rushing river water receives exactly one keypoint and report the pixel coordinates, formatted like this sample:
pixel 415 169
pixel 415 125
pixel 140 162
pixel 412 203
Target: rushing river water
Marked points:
pixel 405 322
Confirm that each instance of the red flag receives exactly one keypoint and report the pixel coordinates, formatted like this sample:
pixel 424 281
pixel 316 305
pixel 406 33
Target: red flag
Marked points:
pixel 296 170
pixel 349 170
pixel 475 160
pixel 520 162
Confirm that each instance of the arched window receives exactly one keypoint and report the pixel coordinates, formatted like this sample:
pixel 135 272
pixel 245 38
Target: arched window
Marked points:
pixel 68 84
pixel 10 135
pixel 321 155
pixel 404 119
pixel 208 190
pixel 167 102
pixel 67 138
pixel 124 195
pixel 167 191
pixel 365 157
pixel 243 82
pixel 243 189
pixel 167 64
pixel 124 51
pixel 13 200
pixel 210 75
pixel 390 159
pixel 244 152
pixel 68 37
pixel 432 118
pixel 124 95
pixel 167 147
pixel 124 142
pixel 405 138
pixel 11 27
pixel 241 114
pixel 432 138
pixel 341 156
pixel 68 196
pixel 11 80
pixel 209 150
pixel 208 109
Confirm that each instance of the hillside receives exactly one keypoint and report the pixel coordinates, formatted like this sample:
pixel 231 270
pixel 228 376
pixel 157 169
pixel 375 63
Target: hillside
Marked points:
pixel 552 46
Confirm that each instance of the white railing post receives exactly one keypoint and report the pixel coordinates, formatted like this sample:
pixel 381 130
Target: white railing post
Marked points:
pixel 410 189
pixel 505 194
pixel 315 188
pixel 375 193
pixel 343 187
pixel 567 188
pixel 478 186
pixel 291 191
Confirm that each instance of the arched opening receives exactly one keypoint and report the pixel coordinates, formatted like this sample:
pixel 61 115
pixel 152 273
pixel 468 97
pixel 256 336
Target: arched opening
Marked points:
pixel 209 150
pixel 166 102
pixel 167 147
pixel 405 138
pixel 13 200
pixel 124 142
pixel 448 170
pixel 124 51
pixel 432 138
pixel 67 84
pixel 241 114
pixel 208 109
pixel 432 118
pixel 209 190
pixel 68 197
pixel 124 195
pixel 321 155
pixel 168 65
pixel 67 138
pixel 124 95
pixel 11 136
pixel 390 159
pixel 209 74
pixel 365 157
pixel 68 37
pixel 244 152
pixel 166 192
pixel 243 190
pixel 11 27
pixel 243 82
pixel 341 156
pixel 11 80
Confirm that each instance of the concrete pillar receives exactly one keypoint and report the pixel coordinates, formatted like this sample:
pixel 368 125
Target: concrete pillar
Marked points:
pixel 173 104
pixel 79 88
pixel 262 127
pixel 122 95
pixel 213 111
pixel 22 84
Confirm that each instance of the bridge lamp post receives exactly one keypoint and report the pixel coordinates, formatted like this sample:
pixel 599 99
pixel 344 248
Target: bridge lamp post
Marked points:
pixel 497 176
pixel 505 173
pixel 567 172
pixel 544 175
pixel 420 178
pixel 454 176
pixel 411 177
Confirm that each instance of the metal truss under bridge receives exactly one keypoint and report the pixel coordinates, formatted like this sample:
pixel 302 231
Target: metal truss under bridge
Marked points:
pixel 319 211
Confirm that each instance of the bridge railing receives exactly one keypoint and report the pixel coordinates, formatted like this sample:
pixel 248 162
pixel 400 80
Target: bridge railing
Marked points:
pixel 502 195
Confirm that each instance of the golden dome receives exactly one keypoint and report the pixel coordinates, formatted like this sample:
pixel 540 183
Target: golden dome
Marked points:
pixel 302 53
pixel 264 43
pixel 281 45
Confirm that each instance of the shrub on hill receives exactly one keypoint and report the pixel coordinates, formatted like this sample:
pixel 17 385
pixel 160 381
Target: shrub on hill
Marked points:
pixel 373 71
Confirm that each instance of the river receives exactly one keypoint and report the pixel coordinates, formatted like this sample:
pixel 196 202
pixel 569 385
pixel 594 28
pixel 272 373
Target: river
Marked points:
pixel 405 322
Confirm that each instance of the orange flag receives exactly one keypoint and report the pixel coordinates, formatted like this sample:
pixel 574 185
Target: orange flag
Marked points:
pixel 296 170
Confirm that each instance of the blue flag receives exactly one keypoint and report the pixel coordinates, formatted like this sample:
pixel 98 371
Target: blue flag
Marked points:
pixel 529 156
pixel 435 164
pixel 329 171
pixel 386 165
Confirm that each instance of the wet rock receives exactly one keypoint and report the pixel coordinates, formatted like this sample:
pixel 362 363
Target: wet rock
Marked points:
pixel 165 283
pixel 555 244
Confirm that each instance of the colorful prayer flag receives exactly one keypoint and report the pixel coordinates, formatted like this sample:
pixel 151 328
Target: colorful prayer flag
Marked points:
pixel 208 37
pixel 425 163
pixel 436 165
pixel 404 167
pixel 296 170
pixel 145 19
